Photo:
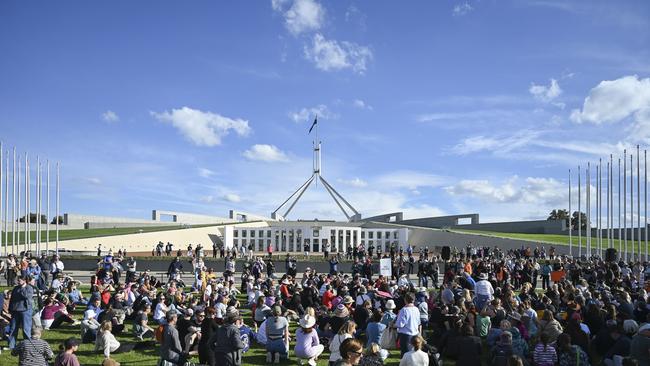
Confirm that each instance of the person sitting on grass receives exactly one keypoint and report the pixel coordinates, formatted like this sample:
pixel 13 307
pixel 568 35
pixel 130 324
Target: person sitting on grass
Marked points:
pixel 307 343
pixel 226 341
pixel 373 356
pixel 346 331
pixel 170 348
pixel 107 343
pixel 351 352
pixel 54 314
pixel 141 328
pixel 277 334
pixel 67 356
pixel 417 357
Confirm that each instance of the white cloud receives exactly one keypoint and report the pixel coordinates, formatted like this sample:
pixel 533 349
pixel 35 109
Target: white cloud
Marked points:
pixel 110 116
pixel 332 55
pixel 614 100
pixel 93 180
pixel 202 128
pixel 207 199
pixel 356 182
pixel 231 197
pixel 302 16
pixel 361 104
pixel 263 152
pixel 307 114
pixel 546 93
pixel 497 144
pixel 533 191
pixel 462 9
pixel 206 173
pixel 409 179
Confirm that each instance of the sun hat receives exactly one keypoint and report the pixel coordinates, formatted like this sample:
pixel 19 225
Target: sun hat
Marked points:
pixel 307 321
pixel 483 276
pixel 285 281
pixel 390 304
pixel 348 299
pixel 341 311
pixel 362 290
pixel 232 314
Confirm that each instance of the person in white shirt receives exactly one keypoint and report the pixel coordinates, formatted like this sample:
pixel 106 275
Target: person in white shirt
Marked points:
pixel 407 323
pixel 417 357
pixel 484 291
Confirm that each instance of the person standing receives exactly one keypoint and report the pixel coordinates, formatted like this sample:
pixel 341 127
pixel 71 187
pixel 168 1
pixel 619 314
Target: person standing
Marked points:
pixel 33 351
pixel 21 307
pixel 226 341
pixel 407 323
pixel 484 291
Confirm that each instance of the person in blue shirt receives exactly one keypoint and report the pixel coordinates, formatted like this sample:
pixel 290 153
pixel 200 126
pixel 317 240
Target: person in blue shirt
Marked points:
pixel 21 306
pixel 334 263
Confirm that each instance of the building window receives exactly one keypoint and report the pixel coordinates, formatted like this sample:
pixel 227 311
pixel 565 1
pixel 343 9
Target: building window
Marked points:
pixel 236 233
pixel 363 235
pixel 395 234
pixel 370 236
pixel 261 233
pixel 252 233
pixel 387 236
pixel 378 234
pixel 316 233
pixel 243 233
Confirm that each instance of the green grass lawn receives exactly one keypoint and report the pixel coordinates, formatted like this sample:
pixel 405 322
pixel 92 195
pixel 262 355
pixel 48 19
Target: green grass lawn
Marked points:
pixel 540 238
pixel 149 357
pixel 70 234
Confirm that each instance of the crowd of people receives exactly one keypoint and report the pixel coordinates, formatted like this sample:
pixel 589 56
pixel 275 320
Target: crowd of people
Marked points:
pixel 486 308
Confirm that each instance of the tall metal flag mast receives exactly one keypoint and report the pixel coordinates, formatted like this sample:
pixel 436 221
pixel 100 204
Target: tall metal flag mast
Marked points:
pixel 57 208
pixel 47 220
pixel 608 210
pixel 618 196
pixel 632 238
pixel 4 252
pixel 7 202
pixel 638 200
pixel 26 221
pixel 579 215
pixel 625 201
pixel 570 227
pixel 28 177
pixel 38 204
pixel 18 208
pixel 13 203
pixel 611 200
pixel 645 200
pixel 599 202
pixel 588 189
pixel 314 178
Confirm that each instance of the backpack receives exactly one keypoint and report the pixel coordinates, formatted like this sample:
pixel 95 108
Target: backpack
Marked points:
pixel 500 356
pixel 432 352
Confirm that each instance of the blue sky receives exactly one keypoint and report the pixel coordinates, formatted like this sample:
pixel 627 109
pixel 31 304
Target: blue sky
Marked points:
pixel 428 107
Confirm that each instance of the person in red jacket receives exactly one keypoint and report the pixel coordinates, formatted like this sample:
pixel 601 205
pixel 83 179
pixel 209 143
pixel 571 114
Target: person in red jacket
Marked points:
pixel 328 296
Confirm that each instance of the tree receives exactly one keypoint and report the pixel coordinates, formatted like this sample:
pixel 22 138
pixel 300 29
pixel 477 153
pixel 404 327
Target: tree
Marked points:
pixel 60 220
pixel 559 214
pixel 583 220
pixel 33 218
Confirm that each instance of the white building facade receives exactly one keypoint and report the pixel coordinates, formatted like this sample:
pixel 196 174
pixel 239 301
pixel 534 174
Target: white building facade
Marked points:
pixel 295 236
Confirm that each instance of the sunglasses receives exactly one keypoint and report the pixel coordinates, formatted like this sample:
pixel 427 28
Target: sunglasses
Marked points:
pixel 358 353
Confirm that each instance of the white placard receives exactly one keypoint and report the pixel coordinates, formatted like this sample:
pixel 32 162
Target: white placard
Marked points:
pixel 385 268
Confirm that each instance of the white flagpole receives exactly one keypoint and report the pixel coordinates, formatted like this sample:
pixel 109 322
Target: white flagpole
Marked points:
pixel 611 200
pixel 645 200
pixel 579 215
pixel 609 244
pixel 47 235
pixel 638 201
pixel 13 203
pixel 57 208
pixel 632 233
pixel 618 196
pixel 38 203
pixel 570 226
pixel 7 203
pixel 625 201
pixel 26 223
pixel 4 249
pixel 600 206
pixel 18 208
pixel 28 176
pixel 588 181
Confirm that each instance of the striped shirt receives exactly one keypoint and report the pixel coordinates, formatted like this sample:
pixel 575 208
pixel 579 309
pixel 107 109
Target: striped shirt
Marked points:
pixel 33 352
pixel 544 357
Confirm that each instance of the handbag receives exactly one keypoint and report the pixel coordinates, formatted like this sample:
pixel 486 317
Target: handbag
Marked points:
pixel 388 339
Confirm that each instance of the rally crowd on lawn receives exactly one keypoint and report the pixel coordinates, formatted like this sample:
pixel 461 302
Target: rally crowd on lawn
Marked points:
pixel 485 309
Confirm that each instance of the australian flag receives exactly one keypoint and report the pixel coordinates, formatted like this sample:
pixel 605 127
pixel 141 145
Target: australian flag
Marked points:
pixel 312 125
